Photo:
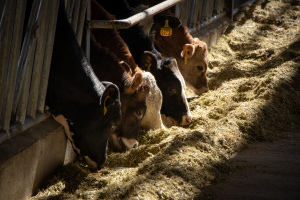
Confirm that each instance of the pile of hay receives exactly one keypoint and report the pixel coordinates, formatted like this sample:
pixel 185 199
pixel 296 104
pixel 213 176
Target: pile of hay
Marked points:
pixel 254 96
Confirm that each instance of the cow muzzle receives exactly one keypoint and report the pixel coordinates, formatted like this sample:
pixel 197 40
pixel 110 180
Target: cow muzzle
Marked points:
pixel 124 143
pixel 186 120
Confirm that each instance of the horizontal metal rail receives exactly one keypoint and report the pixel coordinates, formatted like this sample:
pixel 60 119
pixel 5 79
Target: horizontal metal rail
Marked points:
pixel 131 21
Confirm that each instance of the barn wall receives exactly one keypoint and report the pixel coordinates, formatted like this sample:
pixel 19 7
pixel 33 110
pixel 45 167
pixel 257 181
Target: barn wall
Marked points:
pixel 29 158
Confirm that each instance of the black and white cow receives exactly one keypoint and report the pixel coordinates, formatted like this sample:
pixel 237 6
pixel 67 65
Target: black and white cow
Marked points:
pixel 88 109
pixel 175 109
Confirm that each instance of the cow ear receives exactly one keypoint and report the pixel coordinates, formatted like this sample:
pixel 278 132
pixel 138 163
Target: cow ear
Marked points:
pixel 109 96
pixel 136 82
pixel 188 50
pixel 148 61
pixel 126 67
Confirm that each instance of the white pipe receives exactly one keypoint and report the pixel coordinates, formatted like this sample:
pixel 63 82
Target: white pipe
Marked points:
pixel 131 21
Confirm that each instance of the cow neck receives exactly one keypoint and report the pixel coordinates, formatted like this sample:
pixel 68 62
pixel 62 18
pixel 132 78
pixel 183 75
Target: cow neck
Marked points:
pixel 105 65
pixel 110 38
pixel 72 61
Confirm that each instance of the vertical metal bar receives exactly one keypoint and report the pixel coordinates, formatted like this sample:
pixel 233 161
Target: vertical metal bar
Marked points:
pixel 75 15
pixel 191 13
pixel 208 9
pixel 69 9
pixel 48 55
pixel 81 19
pixel 30 36
pixel 5 53
pixel 184 11
pixel 22 103
pixel 88 33
pixel 38 61
pixel 3 9
pixel 197 13
pixel 12 69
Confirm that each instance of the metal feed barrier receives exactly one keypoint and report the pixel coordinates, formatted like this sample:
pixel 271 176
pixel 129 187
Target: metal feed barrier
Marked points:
pixel 26 49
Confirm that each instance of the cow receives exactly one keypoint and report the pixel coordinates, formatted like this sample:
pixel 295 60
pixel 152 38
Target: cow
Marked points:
pixel 133 92
pixel 112 40
pixel 88 109
pixel 191 53
pixel 140 45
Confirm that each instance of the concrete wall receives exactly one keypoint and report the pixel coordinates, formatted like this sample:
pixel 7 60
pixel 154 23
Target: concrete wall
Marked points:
pixel 28 159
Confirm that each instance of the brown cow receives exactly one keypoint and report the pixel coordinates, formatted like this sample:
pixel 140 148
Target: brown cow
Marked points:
pixel 111 39
pixel 191 53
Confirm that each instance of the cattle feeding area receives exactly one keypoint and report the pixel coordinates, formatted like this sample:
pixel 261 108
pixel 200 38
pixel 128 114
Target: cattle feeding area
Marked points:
pixel 254 81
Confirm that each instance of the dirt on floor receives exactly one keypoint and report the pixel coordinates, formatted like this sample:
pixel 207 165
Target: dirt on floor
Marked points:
pixel 254 97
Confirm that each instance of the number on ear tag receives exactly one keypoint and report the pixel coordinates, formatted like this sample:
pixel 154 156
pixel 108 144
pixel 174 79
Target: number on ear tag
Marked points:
pixel 105 109
pixel 185 56
pixel 166 30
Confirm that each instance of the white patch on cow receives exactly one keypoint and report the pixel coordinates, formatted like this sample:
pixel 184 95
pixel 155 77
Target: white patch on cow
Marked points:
pixel 90 162
pixel 130 143
pixel 152 118
pixel 63 121
pixel 177 72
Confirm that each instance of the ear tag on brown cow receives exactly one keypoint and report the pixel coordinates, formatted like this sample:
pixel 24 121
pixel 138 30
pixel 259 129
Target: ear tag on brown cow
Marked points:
pixel 166 30
pixel 185 56
pixel 105 109
pixel 148 69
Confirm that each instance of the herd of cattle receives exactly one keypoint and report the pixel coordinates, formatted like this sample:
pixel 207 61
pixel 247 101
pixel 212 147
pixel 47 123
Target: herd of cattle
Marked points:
pixel 134 79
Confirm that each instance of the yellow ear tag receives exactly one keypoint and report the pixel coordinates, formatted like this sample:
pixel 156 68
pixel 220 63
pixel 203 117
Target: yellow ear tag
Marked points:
pixel 185 56
pixel 148 69
pixel 105 109
pixel 166 30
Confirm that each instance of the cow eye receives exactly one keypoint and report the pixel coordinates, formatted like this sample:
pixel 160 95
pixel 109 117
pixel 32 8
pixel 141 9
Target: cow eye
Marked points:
pixel 200 68
pixel 138 112
pixel 172 90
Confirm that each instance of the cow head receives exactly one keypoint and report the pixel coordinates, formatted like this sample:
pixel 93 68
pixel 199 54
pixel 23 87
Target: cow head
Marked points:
pixel 194 65
pixel 175 109
pixel 190 53
pixel 133 101
pixel 89 126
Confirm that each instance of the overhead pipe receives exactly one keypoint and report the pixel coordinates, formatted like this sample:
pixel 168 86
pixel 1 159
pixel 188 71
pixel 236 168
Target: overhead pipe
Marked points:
pixel 131 21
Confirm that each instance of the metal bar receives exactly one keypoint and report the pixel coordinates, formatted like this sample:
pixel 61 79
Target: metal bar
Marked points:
pixel 184 12
pixel 70 9
pixel 23 101
pixel 75 15
pixel 88 32
pixel 131 21
pixel 4 55
pixel 3 9
pixel 8 72
pixel 81 19
pixel 197 12
pixel 30 36
pixel 38 62
pixel 48 55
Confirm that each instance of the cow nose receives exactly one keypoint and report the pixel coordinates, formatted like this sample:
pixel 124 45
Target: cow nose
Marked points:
pixel 186 120
pixel 130 143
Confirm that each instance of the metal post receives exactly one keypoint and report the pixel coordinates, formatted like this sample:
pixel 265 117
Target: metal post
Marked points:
pixel 38 62
pixel 48 55
pixel 75 15
pixel 30 36
pixel 81 19
pixel 5 53
pixel 3 9
pixel 185 12
pixel 88 33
